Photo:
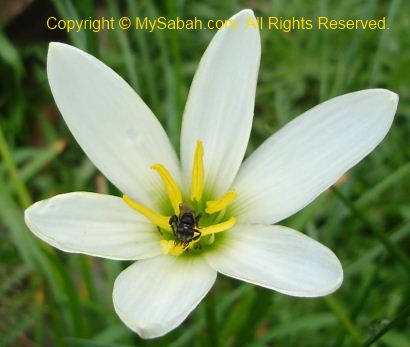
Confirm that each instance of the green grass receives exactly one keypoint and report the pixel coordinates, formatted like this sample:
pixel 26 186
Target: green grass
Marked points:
pixel 48 298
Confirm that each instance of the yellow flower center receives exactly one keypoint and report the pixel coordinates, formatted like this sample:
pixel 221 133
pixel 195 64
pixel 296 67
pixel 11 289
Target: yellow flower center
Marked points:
pixel 190 228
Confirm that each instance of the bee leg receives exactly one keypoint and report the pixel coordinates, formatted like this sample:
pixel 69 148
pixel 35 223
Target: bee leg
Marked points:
pixel 197 218
pixel 173 220
pixel 197 236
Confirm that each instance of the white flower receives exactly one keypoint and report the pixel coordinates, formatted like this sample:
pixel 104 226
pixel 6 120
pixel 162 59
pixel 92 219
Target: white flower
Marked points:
pixel 238 202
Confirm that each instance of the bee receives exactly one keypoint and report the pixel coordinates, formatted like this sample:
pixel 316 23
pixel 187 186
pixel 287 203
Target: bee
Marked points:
pixel 183 226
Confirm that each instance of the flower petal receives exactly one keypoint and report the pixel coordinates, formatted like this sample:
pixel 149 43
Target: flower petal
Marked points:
pixel 114 127
pixel 154 296
pixel 94 224
pixel 220 104
pixel 309 154
pixel 278 258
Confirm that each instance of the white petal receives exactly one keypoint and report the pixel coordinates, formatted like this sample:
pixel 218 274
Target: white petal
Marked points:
pixel 309 154
pixel 94 224
pixel 220 104
pixel 277 258
pixel 154 296
pixel 114 127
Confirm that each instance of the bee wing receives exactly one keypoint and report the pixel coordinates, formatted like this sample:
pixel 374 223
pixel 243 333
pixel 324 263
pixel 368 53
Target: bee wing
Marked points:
pixel 185 208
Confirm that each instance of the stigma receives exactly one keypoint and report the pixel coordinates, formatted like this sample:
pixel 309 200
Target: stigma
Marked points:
pixel 194 222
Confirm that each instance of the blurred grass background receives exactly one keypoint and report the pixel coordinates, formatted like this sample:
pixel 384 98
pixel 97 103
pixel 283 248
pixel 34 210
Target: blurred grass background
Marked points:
pixel 48 298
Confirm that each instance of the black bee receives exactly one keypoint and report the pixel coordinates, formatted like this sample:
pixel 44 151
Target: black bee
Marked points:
pixel 184 225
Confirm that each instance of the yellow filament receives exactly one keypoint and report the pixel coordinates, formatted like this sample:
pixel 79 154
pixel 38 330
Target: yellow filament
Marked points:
pixel 172 188
pixel 154 217
pixel 198 175
pixel 169 247
pixel 221 204
pixel 217 228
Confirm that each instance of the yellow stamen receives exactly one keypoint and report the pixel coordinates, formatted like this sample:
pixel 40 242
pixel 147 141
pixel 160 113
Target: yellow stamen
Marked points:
pixel 173 190
pixel 169 247
pixel 217 228
pixel 198 175
pixel 154 217
pixel 219 205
